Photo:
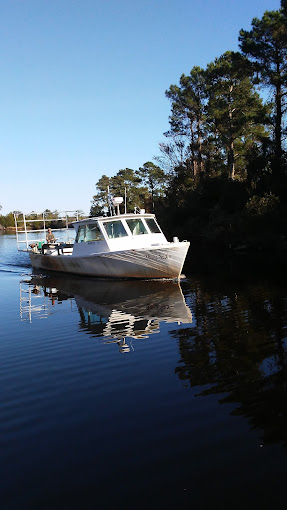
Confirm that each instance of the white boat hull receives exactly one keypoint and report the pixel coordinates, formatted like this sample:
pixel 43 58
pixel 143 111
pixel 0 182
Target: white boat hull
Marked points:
pixel 164 261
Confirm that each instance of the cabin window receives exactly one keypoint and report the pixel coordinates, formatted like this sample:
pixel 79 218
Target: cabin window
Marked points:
pixel 81 234
pixel 115 229
pixel 137 227
pixel 89 233
pixel 93 233
pixel 153 226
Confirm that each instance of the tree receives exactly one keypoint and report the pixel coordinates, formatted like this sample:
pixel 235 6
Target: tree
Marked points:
pixel 188 116
pixel 100 202
pixel 7 220
pixel 266 46
pixel 235 111
pixel 128 181
pixel 154 178
pixel 173 153
pixel 125 181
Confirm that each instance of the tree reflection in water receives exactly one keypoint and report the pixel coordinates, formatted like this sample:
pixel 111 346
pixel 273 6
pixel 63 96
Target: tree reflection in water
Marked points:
pixel 237 347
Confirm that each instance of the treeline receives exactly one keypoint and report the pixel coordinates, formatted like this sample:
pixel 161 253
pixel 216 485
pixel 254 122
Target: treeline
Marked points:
pixel 145 188
pixel 6 220
pixel 36 221
pixel 221 174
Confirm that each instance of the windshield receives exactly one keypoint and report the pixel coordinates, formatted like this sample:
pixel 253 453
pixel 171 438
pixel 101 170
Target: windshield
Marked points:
pixel 89 233
pixel 136 227
pixel 115 229
pixel 153 226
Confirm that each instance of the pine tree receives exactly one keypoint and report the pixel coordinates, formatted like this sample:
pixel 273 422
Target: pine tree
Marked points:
pixel 266 46
pixel 235 111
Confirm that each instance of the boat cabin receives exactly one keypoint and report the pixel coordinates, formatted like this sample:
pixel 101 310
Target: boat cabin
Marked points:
pixel 121 232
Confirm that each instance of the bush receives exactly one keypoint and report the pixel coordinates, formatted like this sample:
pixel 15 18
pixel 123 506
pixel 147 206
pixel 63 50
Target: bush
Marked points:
pixel 268 205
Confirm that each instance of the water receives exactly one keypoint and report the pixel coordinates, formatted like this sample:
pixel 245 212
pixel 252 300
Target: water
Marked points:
pixel 141 394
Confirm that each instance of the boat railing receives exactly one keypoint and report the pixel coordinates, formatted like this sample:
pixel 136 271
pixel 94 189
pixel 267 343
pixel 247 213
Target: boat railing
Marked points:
pixel 24 227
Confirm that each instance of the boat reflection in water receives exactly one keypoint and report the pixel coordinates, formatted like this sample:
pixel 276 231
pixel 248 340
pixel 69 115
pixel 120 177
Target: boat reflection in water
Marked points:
pixel 113 310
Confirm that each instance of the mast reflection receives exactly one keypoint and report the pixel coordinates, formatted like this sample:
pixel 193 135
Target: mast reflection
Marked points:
pixel 115 310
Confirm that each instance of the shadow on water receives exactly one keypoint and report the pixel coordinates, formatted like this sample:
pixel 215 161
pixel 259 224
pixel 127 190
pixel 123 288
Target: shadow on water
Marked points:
pixel 237 347
pixel 227 264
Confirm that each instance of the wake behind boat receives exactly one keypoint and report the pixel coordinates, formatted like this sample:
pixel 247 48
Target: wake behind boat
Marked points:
pixel 130 245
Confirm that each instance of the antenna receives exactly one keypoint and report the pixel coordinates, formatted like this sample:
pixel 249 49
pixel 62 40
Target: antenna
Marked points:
pixel 110 201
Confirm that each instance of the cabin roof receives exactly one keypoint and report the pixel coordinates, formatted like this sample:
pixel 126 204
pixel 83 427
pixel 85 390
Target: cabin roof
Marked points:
pixel 115 217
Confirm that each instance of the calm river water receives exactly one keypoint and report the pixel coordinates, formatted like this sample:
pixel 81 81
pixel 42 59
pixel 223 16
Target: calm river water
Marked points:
pixel 141 394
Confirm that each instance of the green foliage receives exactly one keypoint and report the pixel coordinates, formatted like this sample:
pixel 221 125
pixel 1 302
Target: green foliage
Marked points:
pixel 226 144
pixel 51 220
pixel 284 8
pixel 263 206
pixel 100 203
pixel 235 111
pixel 187 120
pixel 222 174
pixel 143 188
pixel 219 115
pixel 154 179
pixel 266 47
pixel 7 220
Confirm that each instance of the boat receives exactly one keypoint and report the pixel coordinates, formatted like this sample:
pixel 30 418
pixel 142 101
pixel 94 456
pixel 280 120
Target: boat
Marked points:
pixel 121 245
pixel 114 313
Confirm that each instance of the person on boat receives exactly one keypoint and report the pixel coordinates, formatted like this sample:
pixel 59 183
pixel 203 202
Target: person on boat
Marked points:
pixel 50 237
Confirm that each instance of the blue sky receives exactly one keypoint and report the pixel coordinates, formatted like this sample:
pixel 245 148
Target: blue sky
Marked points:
pixel 83 87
